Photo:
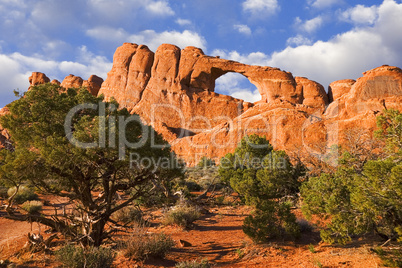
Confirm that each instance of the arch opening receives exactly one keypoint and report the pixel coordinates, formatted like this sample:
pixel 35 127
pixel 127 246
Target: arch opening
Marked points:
pixel 238 86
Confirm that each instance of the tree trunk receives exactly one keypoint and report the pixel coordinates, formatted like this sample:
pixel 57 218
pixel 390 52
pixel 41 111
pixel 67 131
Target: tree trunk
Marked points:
pixel 97 232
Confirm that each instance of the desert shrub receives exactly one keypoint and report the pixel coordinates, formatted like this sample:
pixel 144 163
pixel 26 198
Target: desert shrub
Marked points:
pixel 24 194
pixel 158 198
pixel 206 162
pixel 32 206
pixel 361 198
pixel 142 245
pixel 264 179
pixel 204 177
pixel 194 264
pixel 78 257
pixel 182 215
pixel 271 220
pixel 128 215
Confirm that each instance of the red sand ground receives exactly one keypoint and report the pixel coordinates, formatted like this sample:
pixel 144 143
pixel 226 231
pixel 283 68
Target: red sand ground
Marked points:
pixel 218 237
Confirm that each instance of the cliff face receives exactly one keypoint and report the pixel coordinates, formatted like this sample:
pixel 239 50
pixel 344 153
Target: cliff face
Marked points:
pixel 173 90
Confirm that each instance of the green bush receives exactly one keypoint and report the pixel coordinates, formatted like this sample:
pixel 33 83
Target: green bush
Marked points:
pixel 32 206
pixel 142 245
pixel 206 162
pixel 128 215
pixel 364 198
pixel 24 194
pixel 271 220
pixel 77 257
pixel 194 264
pixel 266 180
pixel 181 215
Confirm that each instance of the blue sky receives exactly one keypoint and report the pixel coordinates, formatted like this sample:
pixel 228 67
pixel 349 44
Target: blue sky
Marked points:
pixel 324 40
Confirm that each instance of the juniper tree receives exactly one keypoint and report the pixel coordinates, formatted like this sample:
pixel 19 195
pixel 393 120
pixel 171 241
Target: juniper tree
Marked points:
pixel 71 144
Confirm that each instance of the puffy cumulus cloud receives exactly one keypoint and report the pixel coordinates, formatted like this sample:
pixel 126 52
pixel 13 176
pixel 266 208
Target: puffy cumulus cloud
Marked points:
pixel 298 40
pixel 160 8
pixel 243 29
pixel 322 3
pixel 237 86
pixel 261 8
pixel 16 69
pixel 181 39
pixel 151 38
pixel 106 33
pixel 255 58
pixel 309 26
pixel 360 14
pixel 11 77
pixel 345 55
pixel 115 10
pixel 183 22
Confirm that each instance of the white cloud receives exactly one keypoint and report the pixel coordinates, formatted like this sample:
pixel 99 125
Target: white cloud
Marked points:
pixel 249 96
pixel 360 14
pixel 16 69
pixel 255 58
pixel 11 77
pixel 181 39
pixel 243 29
pixel 118 9
pixel 160 8
pixel 106 33
pixel 322 3
pixel 151 38
pixel 309 26
pixel 261 8
pixel 298 40
pixel 237 86
pixel 183 22
pixel 345 55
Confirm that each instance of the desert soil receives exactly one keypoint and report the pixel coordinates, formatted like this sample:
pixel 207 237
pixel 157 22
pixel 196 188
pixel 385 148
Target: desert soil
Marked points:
pixel 218 237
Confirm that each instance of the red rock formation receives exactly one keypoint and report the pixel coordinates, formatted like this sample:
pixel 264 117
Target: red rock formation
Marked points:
pixel 313 93
pixel 72 81
pixel 93 84
pixel 173 90
pixel 180 84
pixel 338 88
pixel 56 82
pixel 38 78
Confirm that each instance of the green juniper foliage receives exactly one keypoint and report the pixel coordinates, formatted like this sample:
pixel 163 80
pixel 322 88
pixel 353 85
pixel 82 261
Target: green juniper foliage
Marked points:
pixel 266 180
pixel 45 158
pixel 359 201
